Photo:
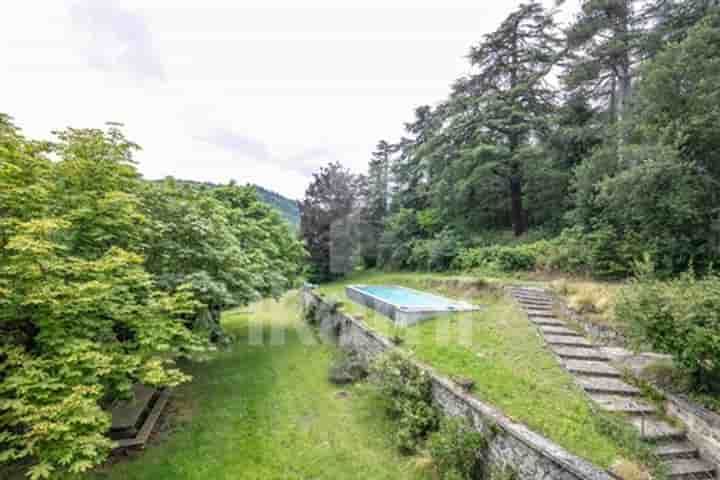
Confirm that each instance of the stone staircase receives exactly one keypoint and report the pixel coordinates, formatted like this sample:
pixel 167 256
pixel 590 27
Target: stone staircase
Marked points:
pixel 604 385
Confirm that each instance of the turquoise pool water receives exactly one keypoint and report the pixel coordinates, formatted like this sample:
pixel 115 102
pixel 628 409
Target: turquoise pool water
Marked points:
pixel 410 298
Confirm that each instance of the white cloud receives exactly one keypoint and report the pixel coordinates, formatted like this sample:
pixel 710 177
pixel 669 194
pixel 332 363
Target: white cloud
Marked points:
pixel 264 91
pixel 115 39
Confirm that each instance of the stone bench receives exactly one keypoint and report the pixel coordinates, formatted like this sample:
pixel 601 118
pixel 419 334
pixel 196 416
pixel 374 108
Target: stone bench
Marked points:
pixel 134 420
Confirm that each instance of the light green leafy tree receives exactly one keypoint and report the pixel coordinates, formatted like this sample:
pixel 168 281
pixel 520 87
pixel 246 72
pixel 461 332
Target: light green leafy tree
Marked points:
pixel 103 278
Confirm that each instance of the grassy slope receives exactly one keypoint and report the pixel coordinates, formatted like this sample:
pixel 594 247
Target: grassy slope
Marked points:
pixel 268 412
pixel 507 360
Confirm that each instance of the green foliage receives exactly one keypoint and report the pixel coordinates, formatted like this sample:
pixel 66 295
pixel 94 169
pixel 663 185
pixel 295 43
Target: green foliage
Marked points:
pixel 457 449
pixel 600 252
pixel 288 208
pixel 680 317
pixel 658 205
pixel 225 245
pixel 102 280
pixel 401 229
pixel 311 314
pixel 408 391
pixel 435 254
pixel 375 193
pixel 499 257
pixel 677 95
pixel 614 164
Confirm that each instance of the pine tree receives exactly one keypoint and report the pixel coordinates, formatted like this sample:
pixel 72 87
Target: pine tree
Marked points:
pixel 376 202
pixel 506 102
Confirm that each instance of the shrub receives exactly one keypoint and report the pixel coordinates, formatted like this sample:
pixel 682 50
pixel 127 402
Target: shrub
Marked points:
pixel 436 254
pixel 408 391
pixel 586 297
pixel 347 369
pixel 499 257
pixel 601 252
pixel 311 314
pixel 457 449
pixel 680 317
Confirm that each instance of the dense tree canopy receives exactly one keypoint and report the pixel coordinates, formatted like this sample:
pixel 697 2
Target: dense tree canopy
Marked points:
pixel 600 137
pixel 106 279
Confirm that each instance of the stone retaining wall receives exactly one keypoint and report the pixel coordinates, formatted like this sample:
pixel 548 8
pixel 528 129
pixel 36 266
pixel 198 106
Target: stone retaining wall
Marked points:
pixel 703 426
pixel 531 455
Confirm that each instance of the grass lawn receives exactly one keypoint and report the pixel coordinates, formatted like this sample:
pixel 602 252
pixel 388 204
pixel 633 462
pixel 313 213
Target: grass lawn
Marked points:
pixel 500 350
pixel 268 412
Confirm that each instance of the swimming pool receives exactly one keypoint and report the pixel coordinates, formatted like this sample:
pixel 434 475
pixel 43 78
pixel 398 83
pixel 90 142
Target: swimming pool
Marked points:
pixel 404 305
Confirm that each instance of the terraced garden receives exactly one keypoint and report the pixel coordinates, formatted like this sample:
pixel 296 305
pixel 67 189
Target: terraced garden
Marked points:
pixel 500 350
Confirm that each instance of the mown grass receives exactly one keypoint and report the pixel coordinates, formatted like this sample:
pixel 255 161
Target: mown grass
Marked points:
pixel 268 412
pixel 499 349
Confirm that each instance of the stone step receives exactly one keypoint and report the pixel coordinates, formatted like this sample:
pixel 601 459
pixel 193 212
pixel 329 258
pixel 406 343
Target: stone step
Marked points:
pixel 542 302
pixel 690 468
pixel 591 368
pixel 655 429
pixel 578 353
pixel 538 308
pixel 143 435
pixel 620 404
pixel 568 341
pixel 672 450
pixel 557 330
pixel 540 313
pixel 607 385
pixel 532 297
pixel 126 414
pixel 534 300
pixel 547 322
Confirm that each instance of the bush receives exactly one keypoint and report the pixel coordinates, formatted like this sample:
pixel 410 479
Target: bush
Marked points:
pixel 498 257
pixel 457 450
pixel 436 254
pixel 408 391
pixel 601 252
pixel 347 369
pixel 680 317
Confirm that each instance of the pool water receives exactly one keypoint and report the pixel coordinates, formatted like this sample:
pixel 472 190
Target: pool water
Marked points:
pixel 409 298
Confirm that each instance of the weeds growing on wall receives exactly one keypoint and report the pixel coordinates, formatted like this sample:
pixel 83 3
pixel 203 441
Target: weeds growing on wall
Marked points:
pixel 310 313
pixel 408 391
pixel 458 450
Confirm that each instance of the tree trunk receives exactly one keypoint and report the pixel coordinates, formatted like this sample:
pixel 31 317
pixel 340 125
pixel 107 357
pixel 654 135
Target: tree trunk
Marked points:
pixel 518 216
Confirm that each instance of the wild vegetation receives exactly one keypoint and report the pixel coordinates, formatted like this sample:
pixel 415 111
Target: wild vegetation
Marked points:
pixel 680 317
pixel 107 280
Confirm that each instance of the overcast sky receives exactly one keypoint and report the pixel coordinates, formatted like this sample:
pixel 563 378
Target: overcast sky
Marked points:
pixel 256 91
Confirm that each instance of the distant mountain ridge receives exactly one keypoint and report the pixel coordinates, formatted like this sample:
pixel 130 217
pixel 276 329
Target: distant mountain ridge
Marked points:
pixel 287 207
